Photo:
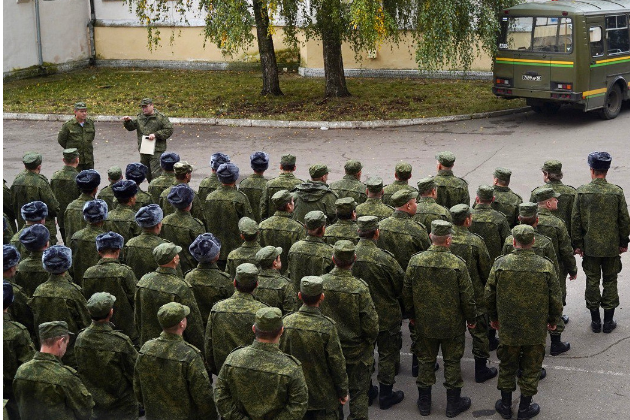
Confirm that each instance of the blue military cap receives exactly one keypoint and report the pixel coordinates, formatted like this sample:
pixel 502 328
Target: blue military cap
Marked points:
pixel 125 189
pixel 95 211
pixel 109 240
pixel 167 160
pixel 7 294
pixel 599 161
pixel 205 248
pixel 218 159
pixel 34 211
pixel 259 161
pixel 227 173
pixel 57 259
pixel 136 172
pixel 180 196
pixel 88 180
pixel 35 237
pixel 10 257
pixel 149 216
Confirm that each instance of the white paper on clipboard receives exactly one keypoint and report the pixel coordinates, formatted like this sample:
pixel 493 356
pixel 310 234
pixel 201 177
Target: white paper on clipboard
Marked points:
pixel 147 147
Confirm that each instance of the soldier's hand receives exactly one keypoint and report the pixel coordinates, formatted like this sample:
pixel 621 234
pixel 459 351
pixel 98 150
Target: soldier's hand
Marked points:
pixel 126 118
pixel 622 250
pixel 579 252
pixel 151 136
pixel 572 276
pixel 551 327
pixel 343 400
pixel 472 326
pixel 412 321
pixel 495 325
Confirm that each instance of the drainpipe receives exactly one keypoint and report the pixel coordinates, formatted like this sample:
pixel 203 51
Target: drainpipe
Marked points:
pixel 40 60
pixel 91 24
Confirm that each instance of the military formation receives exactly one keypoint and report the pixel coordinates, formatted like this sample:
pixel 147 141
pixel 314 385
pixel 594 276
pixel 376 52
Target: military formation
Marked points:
pixel 290 294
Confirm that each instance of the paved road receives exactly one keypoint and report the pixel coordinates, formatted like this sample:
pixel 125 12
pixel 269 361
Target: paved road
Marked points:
pixel 591 381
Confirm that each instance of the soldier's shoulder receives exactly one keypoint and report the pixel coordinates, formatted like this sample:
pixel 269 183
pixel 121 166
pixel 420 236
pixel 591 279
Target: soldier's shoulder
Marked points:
pixel 293 359
pixel 199 222
pixel 387 253
pixel 192 347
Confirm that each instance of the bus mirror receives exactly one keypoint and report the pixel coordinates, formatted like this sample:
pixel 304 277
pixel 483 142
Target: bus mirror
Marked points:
pixel 595 34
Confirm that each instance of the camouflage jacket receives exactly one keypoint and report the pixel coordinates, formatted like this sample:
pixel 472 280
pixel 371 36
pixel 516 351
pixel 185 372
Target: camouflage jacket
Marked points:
pixel 107 195
pixel 210 285
pixel 182 229
pixel 7 205
pixel 374 207
pixel 197 204
pixel 208 185
pixel 507 201
pixel 542 247
pixel 20 310
pixel 276 290
pixel 84 253
pixel 157 124
pixel 284 181
pixel 492 226
pixel 246 253
pixel 29 186
pixel 15 241
pixel 159 184
pixel 138 253
pixel 64 186
pixel 402 236
pixel 309 257
pixel 143 199
pixel 282 231
pixel 428 211
pixel 451 190
pixel 342 229
pixel 7 230
pixel 523 294
pixel 31 272
pixel 73 217
pixel 393 188
pixel 350 186
pixel 122 220
pixel 73 134
pixel 253 187
pixel 17 350
pixel 565 201
pixel 314 195
pixel 554 228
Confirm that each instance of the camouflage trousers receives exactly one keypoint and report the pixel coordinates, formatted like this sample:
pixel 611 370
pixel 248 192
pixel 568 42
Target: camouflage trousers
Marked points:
pixel 606 269
pixel 359 376
pixel 479 334
pixel 153 163
pixel 527 358
pixel 388 344
pixel 321 415
pixel 559 328
pixel 426 349
pixel 85 166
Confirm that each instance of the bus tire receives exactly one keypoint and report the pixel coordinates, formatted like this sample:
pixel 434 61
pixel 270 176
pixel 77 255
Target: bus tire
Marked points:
pixel 612 103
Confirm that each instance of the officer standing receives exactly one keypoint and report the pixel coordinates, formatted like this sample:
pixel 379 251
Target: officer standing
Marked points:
pixel 159 184
pixel 451 189
pixel 79 133
pixel 346 225
pixel 64 186
pixel 315 195
pixel 552 175
pixel 122 219
pixel 284 181
pixel 505 201
pixel 254 185
pixel 246 253
pixel 428 209
pixel 88 182
pixel 373 205
pixel 351 185
pixel 273 288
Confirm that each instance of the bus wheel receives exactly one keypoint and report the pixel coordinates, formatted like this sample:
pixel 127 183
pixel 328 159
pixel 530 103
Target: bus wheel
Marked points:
pixel 612 104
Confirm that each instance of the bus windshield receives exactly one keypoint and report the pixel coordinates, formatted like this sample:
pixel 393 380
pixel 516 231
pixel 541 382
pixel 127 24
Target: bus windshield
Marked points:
pixel 537 34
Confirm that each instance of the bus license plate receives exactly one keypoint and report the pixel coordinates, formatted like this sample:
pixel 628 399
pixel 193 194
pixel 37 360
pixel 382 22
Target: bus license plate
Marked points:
pixel 529 78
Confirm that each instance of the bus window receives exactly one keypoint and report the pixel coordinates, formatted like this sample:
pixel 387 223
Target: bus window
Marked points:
pixel 617 38
pixel 597 44
pixel 542 34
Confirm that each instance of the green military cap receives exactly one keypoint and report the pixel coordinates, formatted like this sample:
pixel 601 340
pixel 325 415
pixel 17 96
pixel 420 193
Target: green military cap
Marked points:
pixel 441 228
pixel 71 154
pixel 528 210
pixel 460 212
pixel 146 101
pixel 182 167
pixel 53 329
pixel 345 205
pixel 544 194
pixel 318 170
pixel 32 160
pixel 403 168
pixel 367 223
pixel 100 304
pixel 80 105
pixel 268 319
pixel 314 219
pixel 402 197
pixel 425 185
pixel 281 198
pixel 344 251
pixel 374 184
pixel 164 253
pixel 552 166
pixel 352 167
pixel 171 314
pixel 268 253
pixel 503 174
pixel 246 274
pixel 114 173
pixel 524 234
pixel 485 192
pixel 247 226
pixel 287 160
pixel 311 286
pixel 445 158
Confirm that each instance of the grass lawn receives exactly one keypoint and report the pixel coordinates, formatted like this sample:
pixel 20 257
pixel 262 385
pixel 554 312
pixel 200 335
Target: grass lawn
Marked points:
pixel 231 94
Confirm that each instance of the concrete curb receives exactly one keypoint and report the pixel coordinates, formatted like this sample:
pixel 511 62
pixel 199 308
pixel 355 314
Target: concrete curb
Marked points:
pixel 282 124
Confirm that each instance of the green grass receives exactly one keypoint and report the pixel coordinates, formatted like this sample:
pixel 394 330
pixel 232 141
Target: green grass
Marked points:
pixel 231 94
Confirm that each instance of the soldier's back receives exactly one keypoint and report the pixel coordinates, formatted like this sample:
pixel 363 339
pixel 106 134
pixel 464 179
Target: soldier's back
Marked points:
pixel 210 285
pixel 402 236
pixel 276 290
pixel 253 187
pixel 58 299
pixel 122 220
pixel 492 226
pixel 507 201
pixel 17 350
pixel 73 217
pixel 84 253
pixel 64 187
pixel 182 229
pixel 282 231
pixel 451 190
pixel 565 201
pixel 159 184
pixel 374 207
pixel 208 185
pixel 107 195
pixel 394 187
pixel 350 186
pixel 314 195
pixel 428 211
pixel 246 253
pixel 31 273
pixel 309 257
pixel 284 181
pixel 139 253
pixel 342 230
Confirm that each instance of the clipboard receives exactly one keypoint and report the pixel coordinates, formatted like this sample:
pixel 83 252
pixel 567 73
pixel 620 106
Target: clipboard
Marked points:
pixel 147 147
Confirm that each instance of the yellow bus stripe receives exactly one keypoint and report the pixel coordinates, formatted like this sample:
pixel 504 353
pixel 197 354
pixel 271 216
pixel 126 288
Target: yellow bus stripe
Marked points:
pixel 522 60
pixel 594 92
pixel 611 60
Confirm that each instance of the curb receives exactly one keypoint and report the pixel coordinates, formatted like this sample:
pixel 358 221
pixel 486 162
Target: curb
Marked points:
pixel 325 125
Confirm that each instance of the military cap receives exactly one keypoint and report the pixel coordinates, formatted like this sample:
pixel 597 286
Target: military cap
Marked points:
pixel 34 211
pixel 402 197
pixel 441 228
pixel 345 205
pixel 524 234
pixel 227 173
pixel 318 170
pixel 205 248
pixel 182 167
pixel 171 314
pixel 7 294
pixel 136 172
pixel 10 257
pixel 259 161
pixel 314 219
pixel 425 185
pixel 503 174
pixel 544 194
pixel 218 159
pixel 125 189
pixel 445 158
pixel 268 319
pixel 109 240
pixel 246 274
pixel 180 196
pixel 374 184
pixel 281 198
pixel 146 101
pixel 353 167
pixel 100 304
pixel 344 251
pixel 95 211
pixel 88 180
pixel 80 105
pixel 287 160
pixel 168 159
pixel 149 216
pixel 57 259
pixel 165 252
pixel 599 161
pixel 367 223
pixel 247 226
pixel 311 286
pixel 268 253
pixel 403 169
pixel 32 160
pixel 485 192
pixel 528 210
pixel 35 237
pixel 53 329
pixel 70 154
pixel 114 173
pixel 552 167
pixel 460 212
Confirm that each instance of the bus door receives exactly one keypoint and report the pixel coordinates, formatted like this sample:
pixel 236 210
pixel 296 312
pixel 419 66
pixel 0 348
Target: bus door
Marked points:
pixel 595 94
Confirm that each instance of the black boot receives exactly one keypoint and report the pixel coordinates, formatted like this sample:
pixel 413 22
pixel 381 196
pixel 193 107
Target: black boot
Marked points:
pixel 424 401
pixel 414 366
pixel 609 323
pixel 557 346
pixel 596 321
pixel 387 397
pixel 527 410
pixel 372 393
pixel 493 341
pixel 455 403
pixel 504 405
pixel 482 372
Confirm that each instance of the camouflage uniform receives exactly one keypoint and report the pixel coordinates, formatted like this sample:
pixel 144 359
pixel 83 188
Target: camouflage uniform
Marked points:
pixel 171 361
pixel 159 184
pixel 122 220
pixel 138 253
pixel 492 226
pixel 350 186
pixel 314 195
pixel 29 186
pixel 181 228
pixel 73 134
pixel 428 211
pixel 402 236
pixel 7 230
pixel 20 310
pixel 451 190
pixel 392 188
pixel 157 124
pixel 507 201
pixel 31 273
pixel 284 181
pixel 7 205
pixel 73 217
pixel 282 231
pixel 84 253
pixel 342 229
pixel 107 195
pixel 65 188
pixel 197 204
pixel 106 360
pixel 565 201
pixel 246 253
pixel 15 241
pixel 276 290
pixel 17 350
pixel 210 285
pixel 308 257
pixel 208 185
pixel 374 207
pixel 253 187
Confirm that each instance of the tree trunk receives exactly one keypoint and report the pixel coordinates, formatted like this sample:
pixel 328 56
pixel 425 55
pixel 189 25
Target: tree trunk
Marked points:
pixel 269 67
pixel 333 65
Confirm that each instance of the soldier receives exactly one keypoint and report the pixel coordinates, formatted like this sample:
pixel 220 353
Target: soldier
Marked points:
pixel 159 184
pixel 402 175
pixel 552 175
pixel 439 297
pixel 181 227
pixel 183 174
pixel 170 360
pixel 249 232
pixel 522 321
pixel 106 361
pixel 239 393
pixel 47 389
pixel 20 311
pixel 399 233
pixel 384 276
pixel 83 243
pixel 157 127
pixel 63 185
pixel 599 229
pixel 79 133
pixel 313 339
pixel 7 205
pixel 162 286
pixel 284 181
pixel 451 190
pixel 137 172
pixel 88 182
pixel 346 226
pixel 212 182
pixel 280 229
pixel 254 185
pixel 114 175
pixel 310 256
pixel 111 276
pixel 230 320
pixel 7 230
pixel 488 223
pixel 351 185
pixel 374 205
pixel 122 219
pixel 428 210
pixel 273 288
pixel 33 213
pixel 315 195
pixel 505 200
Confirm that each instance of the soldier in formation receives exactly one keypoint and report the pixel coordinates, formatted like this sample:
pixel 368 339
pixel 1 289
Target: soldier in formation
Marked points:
pixel 114 174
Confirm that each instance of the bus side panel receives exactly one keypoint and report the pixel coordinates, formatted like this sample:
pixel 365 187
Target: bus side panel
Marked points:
pixel 595 92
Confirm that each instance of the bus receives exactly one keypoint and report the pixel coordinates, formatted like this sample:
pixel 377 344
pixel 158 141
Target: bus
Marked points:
pixel 574 53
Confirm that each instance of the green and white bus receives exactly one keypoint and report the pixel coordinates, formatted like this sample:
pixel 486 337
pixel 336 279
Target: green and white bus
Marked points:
pixel 575 53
